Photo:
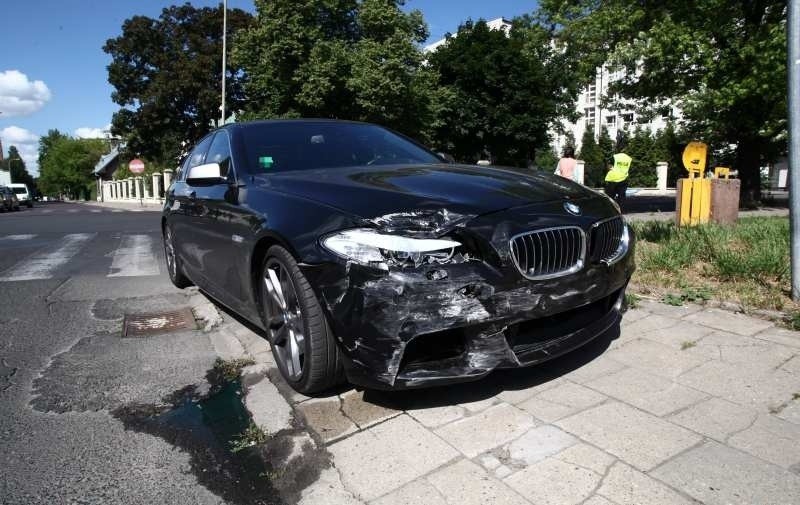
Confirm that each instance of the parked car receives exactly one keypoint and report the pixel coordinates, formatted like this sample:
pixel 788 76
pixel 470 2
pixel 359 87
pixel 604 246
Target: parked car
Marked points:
pixel 23 194
pixel 9 199
pixel 364 255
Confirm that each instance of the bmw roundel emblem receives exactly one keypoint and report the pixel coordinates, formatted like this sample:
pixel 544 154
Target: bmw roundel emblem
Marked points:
pixel 572 208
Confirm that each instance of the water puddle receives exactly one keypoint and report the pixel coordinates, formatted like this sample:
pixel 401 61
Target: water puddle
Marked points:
pixel 207 429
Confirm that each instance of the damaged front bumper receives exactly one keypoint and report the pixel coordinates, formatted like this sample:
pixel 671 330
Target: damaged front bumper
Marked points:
pixel 441 324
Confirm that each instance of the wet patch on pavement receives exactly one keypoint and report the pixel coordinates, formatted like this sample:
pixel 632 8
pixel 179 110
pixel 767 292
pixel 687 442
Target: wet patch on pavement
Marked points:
pixel 209 428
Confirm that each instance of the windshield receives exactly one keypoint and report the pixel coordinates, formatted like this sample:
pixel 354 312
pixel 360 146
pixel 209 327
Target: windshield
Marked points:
pixel 20 191
pixel 281 147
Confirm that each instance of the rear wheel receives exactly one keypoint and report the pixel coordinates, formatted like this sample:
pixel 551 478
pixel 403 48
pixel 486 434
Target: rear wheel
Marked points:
pixel 173 262
pixel 302 342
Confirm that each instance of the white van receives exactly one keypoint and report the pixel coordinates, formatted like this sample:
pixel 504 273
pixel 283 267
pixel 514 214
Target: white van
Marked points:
pixel 23 195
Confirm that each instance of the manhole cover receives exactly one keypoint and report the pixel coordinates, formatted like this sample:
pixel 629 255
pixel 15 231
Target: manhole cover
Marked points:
pixel 153 323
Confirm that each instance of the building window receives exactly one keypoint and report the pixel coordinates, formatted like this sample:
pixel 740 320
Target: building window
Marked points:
pixel 627 118
pixel 588 113
pixel 611 121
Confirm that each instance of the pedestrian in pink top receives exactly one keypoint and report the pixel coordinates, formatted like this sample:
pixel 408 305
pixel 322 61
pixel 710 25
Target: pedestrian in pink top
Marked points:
pixel 566 165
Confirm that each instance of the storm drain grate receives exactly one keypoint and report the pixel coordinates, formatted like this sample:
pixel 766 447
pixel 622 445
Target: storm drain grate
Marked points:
pixel 154 323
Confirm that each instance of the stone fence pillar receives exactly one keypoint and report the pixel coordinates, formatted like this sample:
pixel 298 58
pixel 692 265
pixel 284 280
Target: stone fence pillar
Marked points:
pixel 661 172
pixel 156 186
pixel 167 181
pixel 578 176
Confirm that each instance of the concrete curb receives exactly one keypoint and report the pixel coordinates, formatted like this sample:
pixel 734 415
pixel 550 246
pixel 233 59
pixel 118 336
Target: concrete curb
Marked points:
pixel 274 414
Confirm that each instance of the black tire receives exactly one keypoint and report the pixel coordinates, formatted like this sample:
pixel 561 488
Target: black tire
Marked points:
pixel 174 267
pixel 30 205
pixel 321 363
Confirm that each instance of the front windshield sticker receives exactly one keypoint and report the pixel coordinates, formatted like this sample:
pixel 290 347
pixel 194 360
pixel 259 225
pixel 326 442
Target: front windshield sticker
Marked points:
pixel 265 162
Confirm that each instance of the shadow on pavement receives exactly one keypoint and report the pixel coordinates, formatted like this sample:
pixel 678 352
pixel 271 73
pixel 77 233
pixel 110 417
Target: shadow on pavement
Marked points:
pixel 496 382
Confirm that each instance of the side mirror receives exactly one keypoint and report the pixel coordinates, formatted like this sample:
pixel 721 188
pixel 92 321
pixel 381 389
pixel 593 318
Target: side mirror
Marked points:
pixel 446 157
pixel 204 174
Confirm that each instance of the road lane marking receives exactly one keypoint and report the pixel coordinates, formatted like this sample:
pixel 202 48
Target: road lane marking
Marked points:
pixel 47 211
pixel 43 264
pixel 72 211
pixel 17 237
pixel 116 210
pixel 95 211
pixel 134 257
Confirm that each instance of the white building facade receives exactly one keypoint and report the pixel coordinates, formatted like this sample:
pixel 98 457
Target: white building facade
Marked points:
pixel 592 105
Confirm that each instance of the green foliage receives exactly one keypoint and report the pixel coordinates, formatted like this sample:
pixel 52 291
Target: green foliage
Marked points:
pixel 687 344
pixel 546 159
pixel 504 91
pixel 15 165
pixel 594 168
pixel 66 165
pixel 723 63
pixel 747 262
pixel 631 300
pixel 250 437
pixel 166 75
pixel 339 59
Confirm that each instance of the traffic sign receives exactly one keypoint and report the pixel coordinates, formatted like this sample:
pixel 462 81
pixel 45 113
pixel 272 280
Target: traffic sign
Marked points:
pixel 136 166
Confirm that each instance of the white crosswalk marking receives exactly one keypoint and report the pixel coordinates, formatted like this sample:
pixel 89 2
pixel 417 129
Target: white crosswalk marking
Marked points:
pixel 116 210
pixel 95 211
pixel 134 258
pixel 17 237
pixel 43 264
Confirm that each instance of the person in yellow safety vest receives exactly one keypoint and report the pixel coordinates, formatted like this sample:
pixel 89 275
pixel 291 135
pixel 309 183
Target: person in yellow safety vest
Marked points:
pixel 617 178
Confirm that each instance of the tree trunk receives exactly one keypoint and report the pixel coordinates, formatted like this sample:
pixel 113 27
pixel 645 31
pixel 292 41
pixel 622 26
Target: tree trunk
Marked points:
pixel 748 163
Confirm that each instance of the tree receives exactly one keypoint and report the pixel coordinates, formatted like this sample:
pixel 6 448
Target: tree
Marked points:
pixel 504 91
pixel 723 63
pixel 15 165
pixel 166 73
pixel 336 59
pixel 594 167
pixel 68 164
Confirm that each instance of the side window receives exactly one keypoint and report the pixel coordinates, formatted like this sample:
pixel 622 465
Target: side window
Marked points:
pixel 197 156
pixel 220 152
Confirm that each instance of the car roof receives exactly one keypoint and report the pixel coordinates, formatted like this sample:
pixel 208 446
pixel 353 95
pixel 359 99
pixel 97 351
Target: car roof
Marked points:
pixel 245 124
pixel 17 185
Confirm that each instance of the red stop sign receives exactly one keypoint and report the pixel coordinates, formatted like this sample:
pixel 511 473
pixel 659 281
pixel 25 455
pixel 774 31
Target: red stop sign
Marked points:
pixel 136 166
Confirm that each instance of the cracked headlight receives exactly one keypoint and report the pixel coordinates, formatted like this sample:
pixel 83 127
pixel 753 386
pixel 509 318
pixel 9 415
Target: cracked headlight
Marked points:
pixel 379 250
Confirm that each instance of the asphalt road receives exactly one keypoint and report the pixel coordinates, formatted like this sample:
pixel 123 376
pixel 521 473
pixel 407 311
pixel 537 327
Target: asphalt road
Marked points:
pixel 68 273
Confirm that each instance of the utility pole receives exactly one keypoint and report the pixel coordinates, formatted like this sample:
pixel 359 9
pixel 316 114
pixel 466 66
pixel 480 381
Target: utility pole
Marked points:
pixel 224 54
pixel 793 68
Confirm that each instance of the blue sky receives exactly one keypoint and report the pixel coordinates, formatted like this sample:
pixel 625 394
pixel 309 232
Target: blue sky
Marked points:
pixel 53 68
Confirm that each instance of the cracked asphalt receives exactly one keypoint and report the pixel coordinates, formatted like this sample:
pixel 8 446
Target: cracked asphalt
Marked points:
pixel 64 366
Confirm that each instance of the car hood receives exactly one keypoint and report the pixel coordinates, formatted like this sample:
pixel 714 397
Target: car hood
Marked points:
pixel 467 190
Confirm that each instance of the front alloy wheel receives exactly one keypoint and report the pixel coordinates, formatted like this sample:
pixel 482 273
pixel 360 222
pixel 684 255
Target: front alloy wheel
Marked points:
pixel 302 342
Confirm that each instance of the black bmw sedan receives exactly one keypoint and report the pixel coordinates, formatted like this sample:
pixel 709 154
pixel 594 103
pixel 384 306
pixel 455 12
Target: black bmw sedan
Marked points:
pixel 362 255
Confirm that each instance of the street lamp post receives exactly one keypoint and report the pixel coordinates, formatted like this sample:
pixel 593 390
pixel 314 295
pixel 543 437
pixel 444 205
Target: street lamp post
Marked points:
pixel 224 55
pixel 793 65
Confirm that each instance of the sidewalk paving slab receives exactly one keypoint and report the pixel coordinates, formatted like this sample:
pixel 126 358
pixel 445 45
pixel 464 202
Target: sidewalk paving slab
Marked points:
pixel 561 401
pixel 648 392
pixel 554 482
pixel 655 358
pixel 729 321
pixel 388 455
pixel 639 438
pixel 718 475
pixel 715 418
pixel 489 429
pixel 625 485
pixel 747 385
pixel 770 439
